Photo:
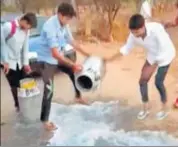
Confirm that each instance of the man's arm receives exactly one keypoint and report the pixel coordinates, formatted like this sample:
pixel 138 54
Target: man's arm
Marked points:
pixel 74 43
pixel 79 48
pixel 60 57
pixel 25 51
pixel 5 31
pixel 125 49
pixel 53 44
pixel 170 24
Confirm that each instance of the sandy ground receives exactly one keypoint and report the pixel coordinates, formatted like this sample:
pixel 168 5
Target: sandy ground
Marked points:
pixel 120 83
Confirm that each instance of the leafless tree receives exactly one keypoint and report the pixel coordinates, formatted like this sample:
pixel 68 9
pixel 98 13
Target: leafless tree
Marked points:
pixel 111 7
pixel 22 5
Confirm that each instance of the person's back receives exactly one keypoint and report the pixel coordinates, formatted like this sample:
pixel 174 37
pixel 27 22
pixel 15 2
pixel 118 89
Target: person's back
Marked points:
pixel 41 43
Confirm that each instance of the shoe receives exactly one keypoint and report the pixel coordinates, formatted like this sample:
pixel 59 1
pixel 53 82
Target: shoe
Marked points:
pixel 143 114
pixel 161 115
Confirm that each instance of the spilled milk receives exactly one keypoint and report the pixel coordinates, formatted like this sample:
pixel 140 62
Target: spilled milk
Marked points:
pixel 89 126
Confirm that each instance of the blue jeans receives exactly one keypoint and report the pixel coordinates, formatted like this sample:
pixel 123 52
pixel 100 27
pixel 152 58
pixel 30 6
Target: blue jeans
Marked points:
pixel 147 72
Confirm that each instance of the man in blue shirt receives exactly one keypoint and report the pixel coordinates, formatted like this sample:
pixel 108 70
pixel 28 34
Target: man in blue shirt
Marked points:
pixel 54 36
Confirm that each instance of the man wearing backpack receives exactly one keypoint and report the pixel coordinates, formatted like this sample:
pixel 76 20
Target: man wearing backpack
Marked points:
pixel 14 50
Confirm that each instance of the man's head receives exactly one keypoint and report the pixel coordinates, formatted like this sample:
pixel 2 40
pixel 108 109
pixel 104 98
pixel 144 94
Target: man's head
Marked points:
pixel 137 25
pixel 65 13
pixel 28 21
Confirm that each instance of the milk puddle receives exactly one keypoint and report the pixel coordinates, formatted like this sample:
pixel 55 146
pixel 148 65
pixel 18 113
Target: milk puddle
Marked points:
pixel 89 126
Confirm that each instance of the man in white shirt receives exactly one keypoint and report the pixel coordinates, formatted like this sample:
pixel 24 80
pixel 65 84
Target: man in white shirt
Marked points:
pixel 160 53
pixel 14 50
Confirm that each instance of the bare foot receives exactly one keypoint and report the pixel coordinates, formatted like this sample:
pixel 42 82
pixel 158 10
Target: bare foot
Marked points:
pixel 49 126
pixel 81 101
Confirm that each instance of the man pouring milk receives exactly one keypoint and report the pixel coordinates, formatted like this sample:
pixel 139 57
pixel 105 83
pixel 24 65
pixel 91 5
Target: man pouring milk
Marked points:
pixel 54 36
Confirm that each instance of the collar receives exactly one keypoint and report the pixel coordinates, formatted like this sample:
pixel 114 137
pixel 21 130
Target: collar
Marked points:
pixel 58 22
pixel 148 30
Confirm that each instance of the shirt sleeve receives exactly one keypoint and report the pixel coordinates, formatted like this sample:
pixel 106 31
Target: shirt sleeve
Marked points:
pixel 51 36
pixel 25 51
pixel 68 35
pixel 5 31
pixel 128 46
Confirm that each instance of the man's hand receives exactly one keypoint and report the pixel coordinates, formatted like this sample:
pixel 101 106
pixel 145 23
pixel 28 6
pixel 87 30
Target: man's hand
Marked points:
pixel 27 69
pixel 113 57
pixel 79 48
pixel 77 68
pixel 6 68
pixel 169 24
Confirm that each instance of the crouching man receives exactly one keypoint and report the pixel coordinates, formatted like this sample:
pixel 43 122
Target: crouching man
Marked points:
pixel 160 53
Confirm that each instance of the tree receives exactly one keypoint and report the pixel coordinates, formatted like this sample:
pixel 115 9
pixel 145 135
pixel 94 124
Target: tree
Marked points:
pixel 2 2
pixel 111 7
pixel 22 5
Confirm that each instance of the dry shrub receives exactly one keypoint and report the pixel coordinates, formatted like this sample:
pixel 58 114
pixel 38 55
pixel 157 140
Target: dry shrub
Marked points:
pixel 120 28
pixel 161 8
pixel 93 25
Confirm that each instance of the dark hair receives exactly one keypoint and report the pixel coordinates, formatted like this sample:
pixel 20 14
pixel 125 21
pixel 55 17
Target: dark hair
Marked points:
pixel 30 18
pixel 137 21
pixel 66 9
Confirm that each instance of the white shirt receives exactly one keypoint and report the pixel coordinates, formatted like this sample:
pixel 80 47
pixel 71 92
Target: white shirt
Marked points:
pixel 15 49
pixel 146 10
pixel 159 47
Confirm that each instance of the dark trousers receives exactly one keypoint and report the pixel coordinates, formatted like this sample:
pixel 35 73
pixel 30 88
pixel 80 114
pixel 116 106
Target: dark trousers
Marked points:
pixel 70 73
pixel 147 72
pixel 47 71
pixel 14 77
